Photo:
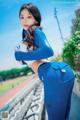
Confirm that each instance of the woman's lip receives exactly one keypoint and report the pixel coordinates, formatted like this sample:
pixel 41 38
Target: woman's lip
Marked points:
pixel 26 25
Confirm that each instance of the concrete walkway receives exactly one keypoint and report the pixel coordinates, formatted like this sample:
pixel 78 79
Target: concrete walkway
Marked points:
pixel 75 107
pixel 12 93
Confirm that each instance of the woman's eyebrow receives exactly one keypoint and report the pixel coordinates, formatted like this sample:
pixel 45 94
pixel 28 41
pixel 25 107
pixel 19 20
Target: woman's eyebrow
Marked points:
pixel 23 15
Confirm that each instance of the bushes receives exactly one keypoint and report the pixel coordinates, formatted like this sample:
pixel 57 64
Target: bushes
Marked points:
pixel 71 50
pixel 13 73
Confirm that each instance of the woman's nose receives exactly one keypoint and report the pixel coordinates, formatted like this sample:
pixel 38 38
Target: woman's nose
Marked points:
pixel 25 21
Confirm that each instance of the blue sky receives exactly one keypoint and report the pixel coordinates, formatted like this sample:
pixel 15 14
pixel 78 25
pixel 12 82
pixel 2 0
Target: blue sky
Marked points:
pixel 11 30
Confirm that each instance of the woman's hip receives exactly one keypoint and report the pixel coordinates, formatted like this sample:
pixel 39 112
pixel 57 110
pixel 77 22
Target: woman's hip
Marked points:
pixel 59 71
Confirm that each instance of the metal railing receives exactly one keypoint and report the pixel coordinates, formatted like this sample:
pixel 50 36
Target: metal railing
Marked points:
pixel 35 110
pixel 26 105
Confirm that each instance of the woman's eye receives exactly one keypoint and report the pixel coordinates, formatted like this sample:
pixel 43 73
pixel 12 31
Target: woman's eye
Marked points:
pixel 29 17
pixel 21 17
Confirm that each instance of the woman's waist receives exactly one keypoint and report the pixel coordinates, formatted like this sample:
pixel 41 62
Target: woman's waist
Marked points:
pixel 35 64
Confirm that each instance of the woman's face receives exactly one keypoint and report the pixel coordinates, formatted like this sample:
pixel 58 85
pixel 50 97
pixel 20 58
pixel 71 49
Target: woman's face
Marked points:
pixel 26 19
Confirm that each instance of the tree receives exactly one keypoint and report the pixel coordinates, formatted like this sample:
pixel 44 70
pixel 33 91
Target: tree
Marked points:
pixel 13 73
pixel 71 50
pixel 76 22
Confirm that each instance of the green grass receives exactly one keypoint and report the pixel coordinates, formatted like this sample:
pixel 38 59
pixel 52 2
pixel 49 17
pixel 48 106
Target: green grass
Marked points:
pixel 10 84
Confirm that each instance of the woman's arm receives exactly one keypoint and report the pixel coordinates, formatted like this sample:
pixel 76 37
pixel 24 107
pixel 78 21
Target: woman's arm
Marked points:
pixel 43 51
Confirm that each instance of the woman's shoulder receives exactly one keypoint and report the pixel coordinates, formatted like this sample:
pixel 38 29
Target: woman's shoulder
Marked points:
pixel 39 31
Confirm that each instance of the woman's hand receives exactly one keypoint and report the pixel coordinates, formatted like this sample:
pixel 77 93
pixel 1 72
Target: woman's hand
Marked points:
pixel 17 48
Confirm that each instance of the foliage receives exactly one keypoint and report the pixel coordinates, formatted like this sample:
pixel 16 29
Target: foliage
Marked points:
pixel 76 22
pixel 58 58
pixel 71 50
pixel 13 73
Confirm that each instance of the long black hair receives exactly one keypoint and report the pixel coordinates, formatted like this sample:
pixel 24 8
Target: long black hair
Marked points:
pixel 28 36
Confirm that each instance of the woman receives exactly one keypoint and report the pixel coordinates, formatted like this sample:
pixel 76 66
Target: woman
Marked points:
pixel 57 77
